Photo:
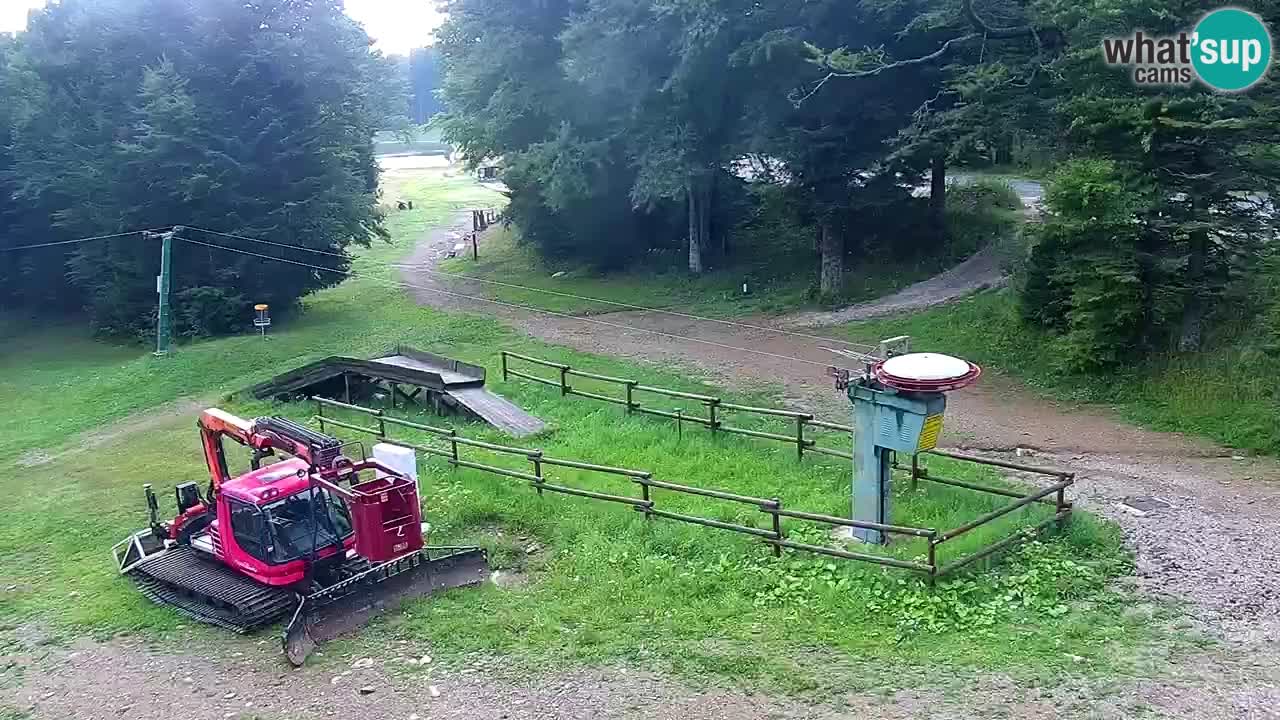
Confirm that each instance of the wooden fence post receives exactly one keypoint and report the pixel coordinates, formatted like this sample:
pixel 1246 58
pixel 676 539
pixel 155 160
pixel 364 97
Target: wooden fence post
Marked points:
pixel 777 527
pixel 1062 506
pixel 933 561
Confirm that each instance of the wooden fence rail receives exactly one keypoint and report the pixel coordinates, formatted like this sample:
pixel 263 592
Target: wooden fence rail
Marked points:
pixel 773 534
pixel 714 407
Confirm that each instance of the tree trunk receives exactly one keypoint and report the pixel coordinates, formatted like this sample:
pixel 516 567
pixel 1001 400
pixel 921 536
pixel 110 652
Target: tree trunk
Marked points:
pixel 831 278
pixel 699 192
pixel 938 198
pixel 1194 310
pixel 695 228
pixel 704 208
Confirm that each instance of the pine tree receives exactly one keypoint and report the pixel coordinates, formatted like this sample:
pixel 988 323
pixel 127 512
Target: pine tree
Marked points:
pixel 246 118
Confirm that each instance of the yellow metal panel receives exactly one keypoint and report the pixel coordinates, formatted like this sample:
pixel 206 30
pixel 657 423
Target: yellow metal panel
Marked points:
pixel 929 433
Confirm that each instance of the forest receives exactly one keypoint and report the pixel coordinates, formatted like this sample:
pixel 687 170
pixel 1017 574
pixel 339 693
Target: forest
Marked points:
pixel 697 134
pixel 636 131
pixel 253 118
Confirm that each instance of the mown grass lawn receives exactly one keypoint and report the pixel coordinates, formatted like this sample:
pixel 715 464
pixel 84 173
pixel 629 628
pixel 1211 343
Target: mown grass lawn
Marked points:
pixel 600 583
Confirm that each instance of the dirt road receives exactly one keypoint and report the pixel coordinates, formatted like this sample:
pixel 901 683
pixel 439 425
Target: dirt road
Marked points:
pixel 980 272
pixel 233 679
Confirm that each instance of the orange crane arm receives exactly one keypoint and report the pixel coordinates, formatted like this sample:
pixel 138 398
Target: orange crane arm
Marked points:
pixel 214 424
pixel 262 436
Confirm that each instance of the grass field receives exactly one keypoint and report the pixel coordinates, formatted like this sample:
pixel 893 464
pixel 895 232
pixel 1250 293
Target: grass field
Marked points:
pixel 601 584
pixel 427 142
pixel 1228 394
pixel 780 271
pixel 717 293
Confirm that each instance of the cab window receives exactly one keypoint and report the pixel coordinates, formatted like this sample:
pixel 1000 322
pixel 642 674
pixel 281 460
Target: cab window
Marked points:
pixel 249 528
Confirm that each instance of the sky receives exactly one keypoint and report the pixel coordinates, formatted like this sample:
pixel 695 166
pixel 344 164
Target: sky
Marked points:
pixel 397 26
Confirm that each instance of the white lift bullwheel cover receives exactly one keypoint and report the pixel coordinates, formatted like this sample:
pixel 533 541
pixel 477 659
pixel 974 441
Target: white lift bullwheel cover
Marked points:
pixel 926 367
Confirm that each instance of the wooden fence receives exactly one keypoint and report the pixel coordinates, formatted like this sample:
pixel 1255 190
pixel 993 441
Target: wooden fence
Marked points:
pixel 772 532
pixel 634 396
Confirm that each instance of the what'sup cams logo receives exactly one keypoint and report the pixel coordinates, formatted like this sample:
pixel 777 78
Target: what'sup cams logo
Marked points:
pixel 1229 50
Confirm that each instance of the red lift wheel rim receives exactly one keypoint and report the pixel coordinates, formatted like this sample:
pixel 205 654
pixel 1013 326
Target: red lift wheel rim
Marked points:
pixel 915 384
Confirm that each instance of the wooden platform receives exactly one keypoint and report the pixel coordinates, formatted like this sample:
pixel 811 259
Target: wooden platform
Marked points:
pixel 498 411
pixel 449 385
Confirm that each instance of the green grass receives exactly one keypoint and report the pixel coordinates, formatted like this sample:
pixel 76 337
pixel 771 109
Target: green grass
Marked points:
pixel 1228 394
pixel 1005 173
pixel 716 293
pixel 428 142
pixel 780 272
pixel 604 584
pixel 72 384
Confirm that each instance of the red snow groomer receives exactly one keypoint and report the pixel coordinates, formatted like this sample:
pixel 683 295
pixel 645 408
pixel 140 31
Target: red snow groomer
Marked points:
pixel 317 536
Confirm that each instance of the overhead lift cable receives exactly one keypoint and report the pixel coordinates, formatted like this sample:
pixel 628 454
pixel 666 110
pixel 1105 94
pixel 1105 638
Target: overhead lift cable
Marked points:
pixel 557 293
pixel 515 306
pixel 79 240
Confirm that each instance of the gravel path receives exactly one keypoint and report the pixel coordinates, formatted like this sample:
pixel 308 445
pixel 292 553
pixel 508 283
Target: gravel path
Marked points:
pixel 980 272
pixel 230 678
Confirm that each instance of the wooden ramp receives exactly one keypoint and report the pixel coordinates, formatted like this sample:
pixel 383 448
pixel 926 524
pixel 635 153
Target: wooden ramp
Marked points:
pixel 497 411
pixel 447 383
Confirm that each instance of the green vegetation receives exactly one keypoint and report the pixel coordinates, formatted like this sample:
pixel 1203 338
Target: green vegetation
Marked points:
pixel 711 603
pixel 638 136
pixel 1228 394
pixel 236 117
pixel 717 292
pixel 104 382
pixel 425 141
pixel 778 273
pixel 600 568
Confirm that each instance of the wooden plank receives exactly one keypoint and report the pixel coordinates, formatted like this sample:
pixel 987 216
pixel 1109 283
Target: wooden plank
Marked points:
pixel 301 377
pixel 497 411
pixel 447 377
pixel 405 365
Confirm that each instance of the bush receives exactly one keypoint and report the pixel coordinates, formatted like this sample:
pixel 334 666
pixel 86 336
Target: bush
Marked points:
pixel 774 236
pixel 1269 297
pixel 1084 277
pixel 205 311
pixel 573 202
pixel 979 214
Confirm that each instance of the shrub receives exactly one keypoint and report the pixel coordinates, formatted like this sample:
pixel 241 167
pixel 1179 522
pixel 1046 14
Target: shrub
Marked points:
pixel 979 214
pixel 1084 274
pixel 204 311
